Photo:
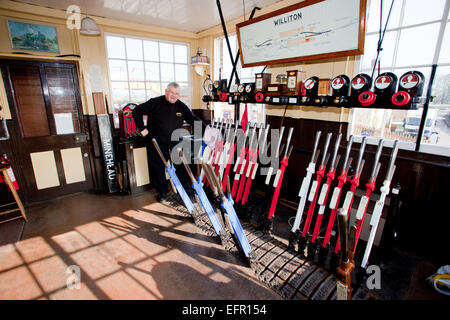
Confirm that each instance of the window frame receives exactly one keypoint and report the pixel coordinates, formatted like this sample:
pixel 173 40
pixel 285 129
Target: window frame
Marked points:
pixel 418 145
pixel 217 57
pixel 160 81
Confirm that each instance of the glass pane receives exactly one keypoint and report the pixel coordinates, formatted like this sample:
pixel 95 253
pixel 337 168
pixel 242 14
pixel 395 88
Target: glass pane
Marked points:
pixel 387 124
pixel 63 100
pixel 255 112
pixel 223 110
pixel 180 53
pixel 115 47
pixel 137 85
pixel 227 66
pixel 437 128
pixel 151 51
pixel 166 52
pixel 167 72
pixel 136 70
pixel 367 122
pixel 419 11
pixel 119 85
pixel 120 96
pixel 181 72
pixel 373 15
pixel 370 50
pixel 118 70
pixel 154 89
pixel 134 49
pixel 137 96
pixel 444 56
pixel 417 45
pixel 184 93
pixel 152 71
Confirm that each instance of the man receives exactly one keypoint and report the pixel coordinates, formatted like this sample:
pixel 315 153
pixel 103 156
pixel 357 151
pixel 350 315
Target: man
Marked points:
pixel 164 115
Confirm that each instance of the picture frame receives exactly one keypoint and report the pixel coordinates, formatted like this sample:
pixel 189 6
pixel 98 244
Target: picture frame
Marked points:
pixel 35 37
pixel 309 30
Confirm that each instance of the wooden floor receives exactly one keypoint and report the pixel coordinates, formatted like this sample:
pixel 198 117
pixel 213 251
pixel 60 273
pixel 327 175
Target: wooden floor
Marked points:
pixel 124 248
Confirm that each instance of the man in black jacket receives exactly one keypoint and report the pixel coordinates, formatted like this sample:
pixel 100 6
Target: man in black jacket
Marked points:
pixel 164 115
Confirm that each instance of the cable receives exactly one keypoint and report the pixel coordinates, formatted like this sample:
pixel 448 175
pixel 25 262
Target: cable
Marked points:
pixel 381 35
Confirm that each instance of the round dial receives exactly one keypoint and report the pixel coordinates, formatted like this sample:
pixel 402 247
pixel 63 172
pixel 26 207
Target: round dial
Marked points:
pixel 383 82
pixel 337 83
pixel 248 88
pixel 358 83
pixel 216 84
pixel 409 80
pixel 309 84
pixel 241 88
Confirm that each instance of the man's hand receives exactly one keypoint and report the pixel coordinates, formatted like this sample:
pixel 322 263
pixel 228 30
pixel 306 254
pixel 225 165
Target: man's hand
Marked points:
pixel 144 132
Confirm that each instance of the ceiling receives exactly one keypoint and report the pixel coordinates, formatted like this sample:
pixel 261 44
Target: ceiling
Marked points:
pixel 188 15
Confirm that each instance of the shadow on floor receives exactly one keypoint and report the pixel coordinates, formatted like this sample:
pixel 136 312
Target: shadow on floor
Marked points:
pixel 124 248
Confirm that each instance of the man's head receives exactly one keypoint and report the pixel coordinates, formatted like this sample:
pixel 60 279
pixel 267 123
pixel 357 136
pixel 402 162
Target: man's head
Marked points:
pixel 172 92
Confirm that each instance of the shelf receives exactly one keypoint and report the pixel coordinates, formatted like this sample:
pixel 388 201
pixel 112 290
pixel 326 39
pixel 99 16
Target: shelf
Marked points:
pixel 325 102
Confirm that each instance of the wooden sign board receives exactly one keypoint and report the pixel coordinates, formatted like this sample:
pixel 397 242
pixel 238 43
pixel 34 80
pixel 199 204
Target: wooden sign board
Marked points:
pixel 309 30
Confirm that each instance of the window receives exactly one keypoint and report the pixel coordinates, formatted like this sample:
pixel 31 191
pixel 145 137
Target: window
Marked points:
pixel 417 37
pixel 140 69
pixel 223 68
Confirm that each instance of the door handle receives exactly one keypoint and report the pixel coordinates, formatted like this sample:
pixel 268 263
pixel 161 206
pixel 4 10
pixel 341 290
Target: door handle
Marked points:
pixel 79 138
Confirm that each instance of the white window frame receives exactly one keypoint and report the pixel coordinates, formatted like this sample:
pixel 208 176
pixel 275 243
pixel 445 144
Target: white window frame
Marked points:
pixel 238 70
pixel 188 50
pixel 444 22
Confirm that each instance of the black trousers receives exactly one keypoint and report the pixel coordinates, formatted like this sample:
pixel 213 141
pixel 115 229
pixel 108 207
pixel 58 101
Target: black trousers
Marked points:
pixel 157 169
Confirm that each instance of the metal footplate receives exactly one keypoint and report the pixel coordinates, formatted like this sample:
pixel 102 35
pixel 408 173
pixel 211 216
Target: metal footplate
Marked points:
pixel 282 269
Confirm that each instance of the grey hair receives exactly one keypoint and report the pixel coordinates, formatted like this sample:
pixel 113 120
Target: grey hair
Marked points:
pixel 173 84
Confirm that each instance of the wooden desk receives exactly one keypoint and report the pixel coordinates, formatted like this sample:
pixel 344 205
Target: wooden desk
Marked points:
pixel 13 206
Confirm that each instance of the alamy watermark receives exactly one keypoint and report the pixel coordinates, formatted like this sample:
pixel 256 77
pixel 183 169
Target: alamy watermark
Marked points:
pixel 74 279
pixel 267 154
pixel 74 19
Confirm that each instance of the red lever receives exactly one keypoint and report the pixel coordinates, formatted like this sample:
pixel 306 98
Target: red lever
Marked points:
pixel 367 98
pixel 223 96
pixel 401 98
pixel 259 97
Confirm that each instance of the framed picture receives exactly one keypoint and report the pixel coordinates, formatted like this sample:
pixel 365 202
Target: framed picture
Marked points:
pixel 29 36
pixel 309 30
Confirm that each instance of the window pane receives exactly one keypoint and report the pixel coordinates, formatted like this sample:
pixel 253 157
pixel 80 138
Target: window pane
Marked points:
pixel 166 51
pixel 151 51
pixel 373 15
pixel 152 71
pixel 154 89
pixel 167 72
pixel 120 96
pixel 136 85
pixel 368 122
pixel 419 11
pixel 180 53
pixel 444 56
pixel 137 96
pixel 136 70
pixel 223 111
pixel 115 47
pixel 386 124
pixel 255 112
pixel 134 49
pixel 417 45
pixel 118 70
pixel 184 93
pixel 437 129
pixel 181 72
pixel 370 50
